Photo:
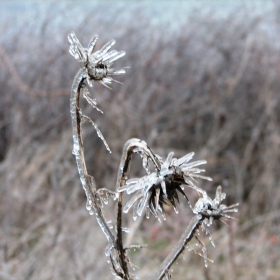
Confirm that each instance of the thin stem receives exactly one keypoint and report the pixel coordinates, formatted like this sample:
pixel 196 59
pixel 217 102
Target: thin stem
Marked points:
pixel 178 249
pixel 87 181
pixel 128 150
pixel 119 241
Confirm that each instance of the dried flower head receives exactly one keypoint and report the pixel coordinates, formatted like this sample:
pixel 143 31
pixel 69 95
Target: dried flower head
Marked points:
pixel 214 209
pixel 97 64
pixel 161 188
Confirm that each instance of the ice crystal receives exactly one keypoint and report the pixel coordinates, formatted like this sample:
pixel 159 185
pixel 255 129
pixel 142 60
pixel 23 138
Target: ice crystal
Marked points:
pixel 91 101
pixel 153 191
pixel 97 64
pixel 213 209
pixel 100 135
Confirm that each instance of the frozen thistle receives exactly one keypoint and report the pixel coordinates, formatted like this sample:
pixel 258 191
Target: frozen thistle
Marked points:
pixel 151 192
pixel 161 187
pixel 97 65
pixel 213 209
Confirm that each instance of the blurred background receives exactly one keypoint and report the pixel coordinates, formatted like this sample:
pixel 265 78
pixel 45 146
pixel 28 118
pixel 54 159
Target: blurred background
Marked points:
pixel 204 76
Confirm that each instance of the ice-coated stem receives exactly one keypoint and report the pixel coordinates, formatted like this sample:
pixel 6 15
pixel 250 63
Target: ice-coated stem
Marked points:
pixel 87 181
pixel 180 246
pixel 131 146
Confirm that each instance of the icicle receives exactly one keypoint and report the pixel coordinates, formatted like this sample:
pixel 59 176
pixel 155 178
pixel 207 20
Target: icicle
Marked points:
pixel 100 135
pixel 175 209
pixel 201 176
pixel 184 159
pixel 146 164
pixel 104 49
pixel 204 252
pixel 109 55
pixel 192 164
pixel 143 203
pixel 119 55
pixel 113 71
pixel 91 101
pixel 132 201
pixel 163 186
pixel 92 44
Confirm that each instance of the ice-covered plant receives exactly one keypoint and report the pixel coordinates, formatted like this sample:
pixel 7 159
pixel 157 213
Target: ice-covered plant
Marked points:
pixel 150 193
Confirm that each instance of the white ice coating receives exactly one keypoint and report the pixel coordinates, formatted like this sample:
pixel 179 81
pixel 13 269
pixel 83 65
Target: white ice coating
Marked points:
pixel 96 64
pixel 204 252
pixel 207 232
pixel 143 204
pixel 113 71
pixel 91 101
pixel 202 204
pixel 104 49
pixel 190 165
pixel 92 44
pixel 76 49
pixel 110 54
pixel 183 159
pixel 114 58
pixel 76 149
pixel 130 203
pixel 86 180
pixel 171 166
pixel 100 135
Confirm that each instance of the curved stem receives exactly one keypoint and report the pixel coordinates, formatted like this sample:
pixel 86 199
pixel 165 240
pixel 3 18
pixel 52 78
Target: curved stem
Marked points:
pixel 87 181
pixel 128 150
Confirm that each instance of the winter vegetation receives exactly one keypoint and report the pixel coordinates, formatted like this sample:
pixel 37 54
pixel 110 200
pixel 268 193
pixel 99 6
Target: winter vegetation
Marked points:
pixel 152 192
pixel 204 79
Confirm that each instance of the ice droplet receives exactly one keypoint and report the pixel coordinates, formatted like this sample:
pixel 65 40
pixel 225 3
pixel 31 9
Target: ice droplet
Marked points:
pixel 110 225
pixel 147 212
pixel 88 205
pixel 108 250
pixel 125 229
pixel 134 217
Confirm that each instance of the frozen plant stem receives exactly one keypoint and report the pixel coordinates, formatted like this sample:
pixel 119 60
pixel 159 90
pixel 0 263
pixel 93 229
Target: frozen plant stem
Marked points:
pixel 150 193
pixel 129 148
pixel 179 248
pixel 87 181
